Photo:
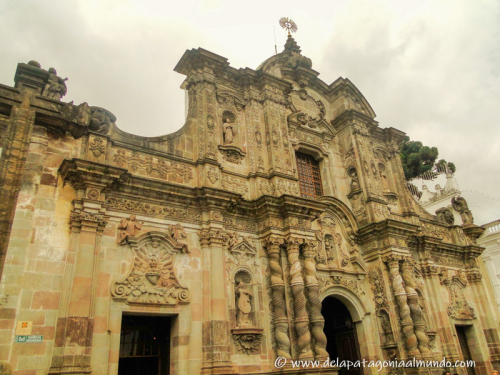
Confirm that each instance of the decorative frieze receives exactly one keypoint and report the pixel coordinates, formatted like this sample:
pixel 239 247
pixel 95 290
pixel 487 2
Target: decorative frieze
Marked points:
pixel 153 166
pixel 354 285
pixel 234 184
pixel 129 205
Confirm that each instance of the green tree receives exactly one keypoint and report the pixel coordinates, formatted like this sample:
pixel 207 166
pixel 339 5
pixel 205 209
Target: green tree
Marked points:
pixel 419 161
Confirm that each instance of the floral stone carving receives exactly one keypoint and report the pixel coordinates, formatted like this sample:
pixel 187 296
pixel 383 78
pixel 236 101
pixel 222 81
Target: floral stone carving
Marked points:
pixel 232 154
pixel 459 307
pixel 152 279
pixel 247 340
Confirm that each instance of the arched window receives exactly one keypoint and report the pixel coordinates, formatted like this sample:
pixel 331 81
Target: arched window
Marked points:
pixel 309 176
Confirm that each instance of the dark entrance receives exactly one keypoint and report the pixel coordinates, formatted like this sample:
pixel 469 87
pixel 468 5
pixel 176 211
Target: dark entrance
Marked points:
pixel 342 340
pixel 144 345
pixel 464 345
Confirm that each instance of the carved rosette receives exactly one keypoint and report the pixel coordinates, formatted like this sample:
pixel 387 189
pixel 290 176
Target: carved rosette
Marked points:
pixel 402 301
pixel 272 245
pixel 312 292
pixel 152 279
pixel 297 284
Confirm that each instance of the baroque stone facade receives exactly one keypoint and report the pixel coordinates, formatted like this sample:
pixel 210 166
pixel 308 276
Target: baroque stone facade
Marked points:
pixel 210 228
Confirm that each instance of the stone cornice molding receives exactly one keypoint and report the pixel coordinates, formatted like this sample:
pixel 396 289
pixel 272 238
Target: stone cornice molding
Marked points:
pixel 84 174
pixel 213 237
pixel 86 221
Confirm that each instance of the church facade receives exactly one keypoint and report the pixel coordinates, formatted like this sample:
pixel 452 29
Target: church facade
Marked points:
pixel 276 223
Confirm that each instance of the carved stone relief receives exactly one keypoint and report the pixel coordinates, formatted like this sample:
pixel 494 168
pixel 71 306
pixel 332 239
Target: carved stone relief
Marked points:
pixel 128 205
pixel 459 307
pixel 152 279
pixel 445 216
pixel 234 184
pixel 128 228
pixel 153 166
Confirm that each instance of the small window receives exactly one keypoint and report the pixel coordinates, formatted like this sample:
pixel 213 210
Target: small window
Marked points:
pixel 309 176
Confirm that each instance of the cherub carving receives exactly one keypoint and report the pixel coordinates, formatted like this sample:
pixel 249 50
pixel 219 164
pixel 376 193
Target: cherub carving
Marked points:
pixel 178 233
pixel 55 87
pixel 129 228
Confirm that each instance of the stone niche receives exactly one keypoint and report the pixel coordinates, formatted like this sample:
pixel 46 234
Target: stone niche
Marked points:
pixel 246 335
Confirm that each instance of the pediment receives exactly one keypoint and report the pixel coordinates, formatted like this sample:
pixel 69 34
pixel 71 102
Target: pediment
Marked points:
pixel 244 249
pixel 229 100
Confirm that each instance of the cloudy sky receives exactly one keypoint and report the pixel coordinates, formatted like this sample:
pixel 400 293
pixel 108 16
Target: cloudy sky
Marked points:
pixel 428 68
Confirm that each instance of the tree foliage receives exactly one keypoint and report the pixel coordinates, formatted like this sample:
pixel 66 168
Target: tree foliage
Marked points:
pixel 420 161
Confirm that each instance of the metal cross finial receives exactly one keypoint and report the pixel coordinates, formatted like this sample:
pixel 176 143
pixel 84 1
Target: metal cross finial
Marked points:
pixel 288 24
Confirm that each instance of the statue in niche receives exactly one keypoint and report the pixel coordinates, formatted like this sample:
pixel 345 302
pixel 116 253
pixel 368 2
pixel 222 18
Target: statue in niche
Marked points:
pixel 129 228
pixel 330 253
pixel 228 131
pixel 385 322
pixel 383 177
pixel 460 205
pixel 244 305
pixel 55 87
pixel 354 179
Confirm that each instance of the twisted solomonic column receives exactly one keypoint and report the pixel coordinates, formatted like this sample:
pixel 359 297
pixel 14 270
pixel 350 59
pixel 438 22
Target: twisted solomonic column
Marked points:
pixel 312 292
pixel 297 284
pixel 278 297
pixel 404 309
pixel 415 311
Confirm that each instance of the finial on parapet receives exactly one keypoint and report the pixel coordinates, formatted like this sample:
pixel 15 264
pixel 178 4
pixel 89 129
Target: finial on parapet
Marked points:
pixel 292 48
pixel 288 24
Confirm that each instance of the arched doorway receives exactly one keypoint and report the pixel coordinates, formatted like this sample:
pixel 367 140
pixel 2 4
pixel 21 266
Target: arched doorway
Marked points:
pixel 340 331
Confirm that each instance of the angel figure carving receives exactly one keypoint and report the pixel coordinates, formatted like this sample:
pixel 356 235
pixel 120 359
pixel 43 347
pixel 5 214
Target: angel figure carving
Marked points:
pixel 55 87
pixel 129 228
pixel 460 205
pixel 244 306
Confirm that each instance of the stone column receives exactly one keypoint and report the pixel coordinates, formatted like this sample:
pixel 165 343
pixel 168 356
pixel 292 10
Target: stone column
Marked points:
pixel 280 319
pixel 312 292
pixel 415 310
pixel 301 319
pixel 15 149
pixel 216 357
pixel 404 310
pixel 485 315
pixel 73 340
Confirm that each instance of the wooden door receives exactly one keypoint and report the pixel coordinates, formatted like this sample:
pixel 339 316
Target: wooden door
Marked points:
pixel 464 345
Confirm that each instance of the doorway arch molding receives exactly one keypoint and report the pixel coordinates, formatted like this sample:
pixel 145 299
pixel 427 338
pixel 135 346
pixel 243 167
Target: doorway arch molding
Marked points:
pixel 363 320
pixel 349 299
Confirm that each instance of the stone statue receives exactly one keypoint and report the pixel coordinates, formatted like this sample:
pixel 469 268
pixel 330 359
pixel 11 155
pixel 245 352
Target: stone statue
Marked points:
pixel 444 215
pixel 55 87
pixel 101 119
pixel 129 227
pixel 354 180
pixel 244 306
pixel 228 131
pixel 460 205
